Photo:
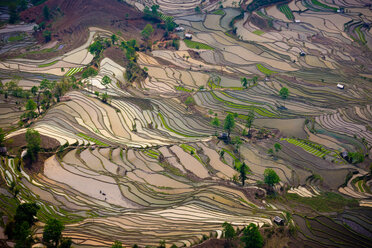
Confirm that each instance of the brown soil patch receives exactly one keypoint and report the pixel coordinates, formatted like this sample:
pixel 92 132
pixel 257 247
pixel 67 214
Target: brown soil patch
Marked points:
pixel 116 55
pixel 211 243
pixel 72 18
pixel 19 141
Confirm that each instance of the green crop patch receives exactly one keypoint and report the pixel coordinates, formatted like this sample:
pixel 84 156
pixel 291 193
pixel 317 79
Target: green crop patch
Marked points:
pixel 73 71
pixel 258 32
pixel 84 136
pixel 286 11
pixel 48 64
pixel 197 45
pixel 317 3
pixel 218 12
pixel 265 70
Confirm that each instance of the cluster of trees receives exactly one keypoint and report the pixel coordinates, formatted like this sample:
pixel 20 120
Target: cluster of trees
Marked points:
pixel 250 237
pixel 152 14
pixel 19 229
pixel 245 83
pixel 45 95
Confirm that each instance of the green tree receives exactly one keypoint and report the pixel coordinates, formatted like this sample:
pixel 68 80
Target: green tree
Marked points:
pixel 237 142
pixel 117 244
pixel 215 122
pixel 252 238
pixel 284 93
pixel 154 10
pixel 34 90
pixel 33 143
pixel 229 124
pixel 254 79
pixel 2 137
pixel 197 9
pixel 161 244
pixel 65 243
pixel 277 147
pixel 244 82
pixel 96 48
pixel 228 231
pixel 189 101
pixel 243 171
pixel 104 97
pixel 147 31
pixel 19 229
pixel 31 105
pixel 52 233
pixel 106 80
pixel 46 12
pixel 13 14
pixel 249 121
pixel 47 35
pixel 114 38
pixel 270 177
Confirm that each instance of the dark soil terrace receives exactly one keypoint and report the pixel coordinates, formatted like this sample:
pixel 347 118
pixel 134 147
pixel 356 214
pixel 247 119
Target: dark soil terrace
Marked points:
pixel 71 23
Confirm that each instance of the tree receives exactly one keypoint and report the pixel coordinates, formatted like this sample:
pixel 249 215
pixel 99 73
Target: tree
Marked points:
pixel 106 80
pixel 96 48
pixel 2 137
pixel 284 93
pixel 47 35
pixel 114 38
pixel 229 124
pixel 161 244
pixel 244 82
pixel 52 233
pixel 65 243
pixel 19 229
pixel 33 143
pixel 147 31
pixel 249 121
pixel 237 142
pixel 13 14
pixel 34 90
pixel 46 12
pixel 197 9
pixel 228 231
pixel 216 123
pixel 189 101
pixel 31 105
pixel 277 147
pixel 254 79
pixel 104 97
pixel 270 177
pixel 252 237
pixel 154 10
pixel 117 244
pixel 243 170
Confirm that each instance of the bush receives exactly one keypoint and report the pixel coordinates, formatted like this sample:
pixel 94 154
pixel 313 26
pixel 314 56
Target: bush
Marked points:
pixel 89 73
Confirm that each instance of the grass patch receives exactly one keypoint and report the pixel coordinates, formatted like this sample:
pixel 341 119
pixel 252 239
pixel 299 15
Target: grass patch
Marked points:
pixel 197 45
pixel 188 149
pixel 317 3
pixel 360 34
pixel 286 11
pixel 181 88
pixel 46 65
pixel 152 153
pixel 326 202
pixel 258 32
pixel 218 12
pixel 265 70
pixel 18 37
pixel 84 136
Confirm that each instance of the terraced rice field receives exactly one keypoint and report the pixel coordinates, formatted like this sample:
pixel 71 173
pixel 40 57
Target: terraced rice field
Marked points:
pixel 287 11
pixel 307 147
pixel 72 71
pixel 197 45
pixel 143 167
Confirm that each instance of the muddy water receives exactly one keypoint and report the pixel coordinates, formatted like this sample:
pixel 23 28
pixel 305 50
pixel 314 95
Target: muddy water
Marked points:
pixel 289 127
